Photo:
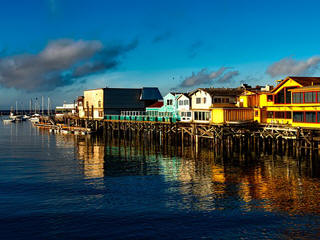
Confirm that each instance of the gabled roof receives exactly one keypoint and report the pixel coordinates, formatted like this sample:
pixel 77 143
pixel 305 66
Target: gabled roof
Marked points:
pixel 183 94
pixel 156 105
pixel 306 81
pixel 150 93
pixel 303 81
pixel 220 91
pixel 176 93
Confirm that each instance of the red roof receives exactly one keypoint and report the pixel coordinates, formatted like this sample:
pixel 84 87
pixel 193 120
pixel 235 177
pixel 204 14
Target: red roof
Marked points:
pixel 156 105
pixel 303 81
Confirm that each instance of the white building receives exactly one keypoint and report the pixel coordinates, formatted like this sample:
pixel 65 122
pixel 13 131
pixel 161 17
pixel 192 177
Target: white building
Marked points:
pixel 184 108
pixel 68 109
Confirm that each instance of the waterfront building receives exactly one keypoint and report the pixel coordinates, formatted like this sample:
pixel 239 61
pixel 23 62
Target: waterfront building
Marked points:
pixel 203 100
pixel 184 108
pixel 170 106
pixel 113 101
pixel 80 110
pixel 67 109
pixel 294 101
pixel 153 109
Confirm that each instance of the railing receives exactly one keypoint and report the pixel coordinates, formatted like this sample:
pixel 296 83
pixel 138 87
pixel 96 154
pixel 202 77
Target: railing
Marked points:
pixel 141 118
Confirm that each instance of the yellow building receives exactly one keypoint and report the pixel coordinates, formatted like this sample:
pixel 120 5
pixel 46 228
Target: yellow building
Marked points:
pixel 295 101
pixel 232 114
pixel 93 103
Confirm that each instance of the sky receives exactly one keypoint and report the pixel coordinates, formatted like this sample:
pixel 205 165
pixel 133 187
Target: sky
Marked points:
pixel 58 48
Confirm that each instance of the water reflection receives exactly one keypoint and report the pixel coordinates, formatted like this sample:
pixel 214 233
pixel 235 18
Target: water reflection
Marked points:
pixel 102 188
pixel 91 153
pixel 244 179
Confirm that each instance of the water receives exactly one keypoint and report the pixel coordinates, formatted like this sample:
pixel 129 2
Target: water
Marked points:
pixel 82 187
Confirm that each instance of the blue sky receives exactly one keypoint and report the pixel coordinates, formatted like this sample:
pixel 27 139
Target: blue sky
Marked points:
pixel 178 45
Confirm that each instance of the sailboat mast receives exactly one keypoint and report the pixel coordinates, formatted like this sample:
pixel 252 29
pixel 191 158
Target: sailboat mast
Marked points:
pixel 42 104
pixel 48 106
pixel 30 107
pixel 16 107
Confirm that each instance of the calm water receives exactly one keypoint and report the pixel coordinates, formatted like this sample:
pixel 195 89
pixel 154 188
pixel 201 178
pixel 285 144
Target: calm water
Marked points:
pixel 80 187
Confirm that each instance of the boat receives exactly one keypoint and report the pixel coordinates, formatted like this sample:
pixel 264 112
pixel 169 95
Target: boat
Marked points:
pixel 19 118
pixel 14 116
pixel 8 120
pixel 34 118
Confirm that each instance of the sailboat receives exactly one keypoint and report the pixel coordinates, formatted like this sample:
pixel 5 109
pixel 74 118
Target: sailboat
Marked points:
pixel 15 115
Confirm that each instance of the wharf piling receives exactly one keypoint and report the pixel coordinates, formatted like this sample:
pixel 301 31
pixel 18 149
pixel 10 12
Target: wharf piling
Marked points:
pixel 279 138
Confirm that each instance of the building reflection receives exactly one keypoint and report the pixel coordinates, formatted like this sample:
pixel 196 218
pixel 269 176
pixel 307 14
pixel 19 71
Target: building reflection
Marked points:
pixel 209 180
pixel 91 153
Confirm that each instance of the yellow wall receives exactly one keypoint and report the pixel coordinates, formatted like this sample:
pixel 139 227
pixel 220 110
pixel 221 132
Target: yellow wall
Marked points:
pixel 217 115
pixel 223 115
pixel 288 83
pixel 92 97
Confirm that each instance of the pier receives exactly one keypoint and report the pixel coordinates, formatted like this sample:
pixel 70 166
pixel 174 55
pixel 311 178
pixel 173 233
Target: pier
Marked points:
pixel 301 141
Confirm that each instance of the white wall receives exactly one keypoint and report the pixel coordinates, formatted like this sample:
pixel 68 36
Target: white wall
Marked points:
pixel 201 94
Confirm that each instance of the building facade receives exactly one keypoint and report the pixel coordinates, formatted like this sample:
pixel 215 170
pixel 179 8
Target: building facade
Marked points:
pixel 184 108
pixel 295 101
pixel 112 101
pixel 170 106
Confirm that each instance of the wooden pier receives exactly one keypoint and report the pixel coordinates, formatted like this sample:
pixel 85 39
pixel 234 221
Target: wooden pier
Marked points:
pixel 280 137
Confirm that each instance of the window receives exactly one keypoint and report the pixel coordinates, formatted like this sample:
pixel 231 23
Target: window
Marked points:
pixel 99 105
pixel 318 97
pixel 180 102
pixel 270 114
pixel 196 115
pixel 288 115
pixel 87 104
pixel 201 116
pixel 297 98
pixel 100 114
pixel 256 113
pixel 288 95
pixel 188 114
pixel 279 98
pixel 310 117
pixel 198 100
pixel 186 102
pixel 310 97
pixel 217 100
pixel 270 98
pixel 169 102
pixel 279 114
pixel 204 100
pixel 298 116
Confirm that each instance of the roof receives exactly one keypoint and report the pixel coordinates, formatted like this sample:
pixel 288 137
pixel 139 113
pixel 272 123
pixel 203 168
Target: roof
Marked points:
pixel 221 91
pixel 307 88
pixel 156 105
pixel 150 93
pixel 147 93
pixel 303 81
pixel 183 94
pixel 306 81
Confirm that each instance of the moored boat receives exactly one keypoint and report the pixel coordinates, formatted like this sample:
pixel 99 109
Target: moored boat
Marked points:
pixel 8 120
